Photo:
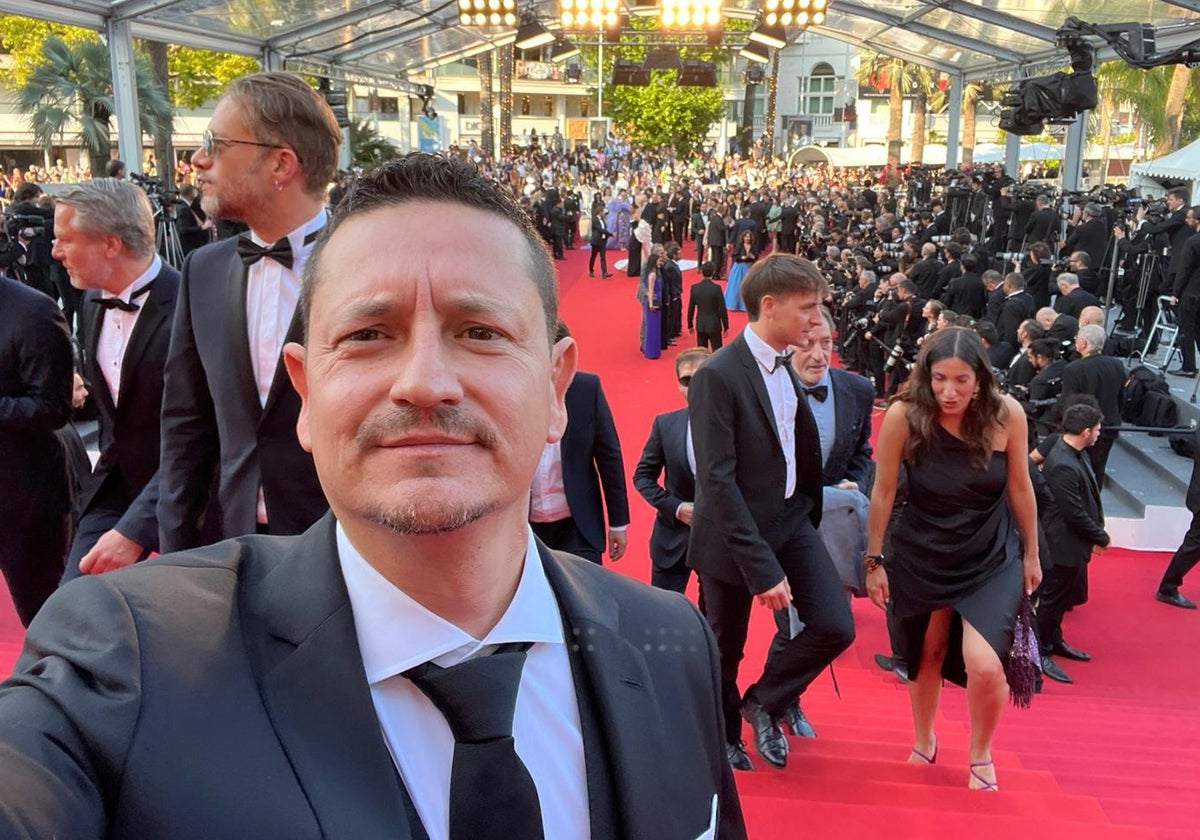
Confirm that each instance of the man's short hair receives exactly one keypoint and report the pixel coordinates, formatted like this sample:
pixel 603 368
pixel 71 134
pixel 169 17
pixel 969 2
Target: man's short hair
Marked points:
pixel 993 277
pixel 698 355
pixel 907 285
pixel 1069 279
pixel 1082 257
pixel 1080 417
pixel 870 276
pixel 988 332
pixel 110 207
pixel 115 168
pixel 1093 210
pixel 828 316
pixel 928 250
pixel 283 109
pixel 1044 347
pixel 953 250
pixel 1092 335
pixel 780 275
pixel 1015 280
pixel 1042 201
pixel 1182 193
pixel 27 191
pixel 419 177
pixel 1039 250
pixel 1032 329
pixel 707 269
pixel 969 261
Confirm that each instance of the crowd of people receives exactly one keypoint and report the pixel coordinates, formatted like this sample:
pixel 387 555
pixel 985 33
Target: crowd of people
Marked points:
pixel 383 490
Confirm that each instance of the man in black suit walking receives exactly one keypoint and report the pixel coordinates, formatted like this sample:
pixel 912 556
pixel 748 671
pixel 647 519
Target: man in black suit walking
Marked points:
pixel 672 289
pixel 600 234
pixel 668 453
pixel 104 233
pixel 1186 556
pixel 1074 529
pixel 229 411
pixel 1102 377
pixel 714 238
pixel 707 315
pixel 758 505
pixel 275 665
pixel 699 224
pixel 35 400
pixel 567 511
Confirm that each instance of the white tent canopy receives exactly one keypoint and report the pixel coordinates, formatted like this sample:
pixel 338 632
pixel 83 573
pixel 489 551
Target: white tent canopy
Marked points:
pixel 1180 166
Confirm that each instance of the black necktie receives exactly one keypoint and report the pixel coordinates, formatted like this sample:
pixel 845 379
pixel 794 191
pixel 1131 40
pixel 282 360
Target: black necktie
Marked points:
pixel 818 392
pixel 783 360
pixel 492 795
pixel 117 303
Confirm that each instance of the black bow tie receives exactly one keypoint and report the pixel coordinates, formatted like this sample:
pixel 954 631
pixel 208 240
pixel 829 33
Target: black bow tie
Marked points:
pixel 783 360
pixel 281 251
pixel 117 303
pixel 818 392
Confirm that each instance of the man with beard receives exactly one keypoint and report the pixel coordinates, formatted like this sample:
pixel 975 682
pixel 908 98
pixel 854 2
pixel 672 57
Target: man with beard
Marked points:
pixel 229 411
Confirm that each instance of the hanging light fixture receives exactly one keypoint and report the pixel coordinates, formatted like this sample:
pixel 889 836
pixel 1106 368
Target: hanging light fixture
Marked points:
pixel 532 33
pixel 562 50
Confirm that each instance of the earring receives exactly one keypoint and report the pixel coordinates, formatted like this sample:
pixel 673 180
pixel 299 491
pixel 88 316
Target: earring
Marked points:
pixel 278 186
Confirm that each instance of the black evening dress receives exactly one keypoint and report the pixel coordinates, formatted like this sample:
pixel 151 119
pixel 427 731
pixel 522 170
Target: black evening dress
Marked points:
pixel 955 545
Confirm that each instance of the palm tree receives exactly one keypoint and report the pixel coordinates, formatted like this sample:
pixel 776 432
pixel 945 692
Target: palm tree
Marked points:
pixel 1173 110
pixel 368 148
pixel 901 78
pixel 74 85
pixel 925 84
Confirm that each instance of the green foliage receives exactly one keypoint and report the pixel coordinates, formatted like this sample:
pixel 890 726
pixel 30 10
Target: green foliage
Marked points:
pixel 198 76
pixel 367 148
pixel 664 112
pixel 22 38
pixel 75 83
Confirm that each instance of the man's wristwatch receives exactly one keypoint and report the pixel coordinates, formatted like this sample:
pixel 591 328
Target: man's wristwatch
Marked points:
pixel 873 561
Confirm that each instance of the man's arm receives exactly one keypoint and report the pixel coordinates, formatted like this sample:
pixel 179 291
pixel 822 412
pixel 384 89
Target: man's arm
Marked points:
pixel 861 468
pixel 649 467
pixel 1066 483
pixel 610 467
pixel 190 443
pixel 44 366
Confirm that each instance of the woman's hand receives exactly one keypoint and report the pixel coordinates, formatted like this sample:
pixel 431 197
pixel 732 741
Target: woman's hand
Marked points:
pixel 1033 574
pixel 877 587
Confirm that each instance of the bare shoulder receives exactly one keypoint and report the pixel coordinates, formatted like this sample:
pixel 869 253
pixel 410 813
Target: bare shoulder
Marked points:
pixel 896 416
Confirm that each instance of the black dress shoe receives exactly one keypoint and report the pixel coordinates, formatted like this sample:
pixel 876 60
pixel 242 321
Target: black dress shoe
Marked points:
pixel 1186 374
pixel 885 662
pixel 797 723
pixel 606 276
pixel 1052 670
pixel 768 738
pixel 1064 649
pixel 1175 599
pixel 900 669
pixel 736 753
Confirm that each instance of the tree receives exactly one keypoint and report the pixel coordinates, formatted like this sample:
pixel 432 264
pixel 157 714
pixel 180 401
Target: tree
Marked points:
pixel 900 79
pixel 73 85
pixel 368 148
pixel 1173 110
pixel 665 113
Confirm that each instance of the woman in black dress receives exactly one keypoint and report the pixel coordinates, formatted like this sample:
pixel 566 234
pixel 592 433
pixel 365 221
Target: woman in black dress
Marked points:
pixel 955 576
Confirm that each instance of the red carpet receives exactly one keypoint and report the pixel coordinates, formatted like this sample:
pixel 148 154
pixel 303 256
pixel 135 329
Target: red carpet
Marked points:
pixel 1112 756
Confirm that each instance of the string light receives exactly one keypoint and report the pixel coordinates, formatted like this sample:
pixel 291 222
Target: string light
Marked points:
pixel 487 125
pixel 505 61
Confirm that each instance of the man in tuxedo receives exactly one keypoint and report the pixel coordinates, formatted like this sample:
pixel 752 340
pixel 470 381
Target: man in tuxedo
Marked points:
pixel 1090 235
pixel 229 411
pixel 668 453
pixel 1102 377
pixel 600 234
pixel 699 223
pixel 274 663
pixel 1080 264
pixel 951 269
pixel 1074 528
pixel 105 240
pixel 1072 298
pixel 35 401
pixel 1059 328
pixel 714 239
pixel 672 287
pixel 707 315
pixel 1040 227
pixel 567 510
pixel 1018 305
pixel 925 273
pixel 758 505
pixel 965 294
pixel 1188 554
pixel 789 219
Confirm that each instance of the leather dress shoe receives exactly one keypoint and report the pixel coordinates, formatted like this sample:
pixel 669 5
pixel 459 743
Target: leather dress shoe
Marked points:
pixel 768 738
pixel 1187 374
pixel 1064 649
pixel 797 723
pixel 736 753
pixel 1175 599
pixel 900 669
pixel 1052 670
pixel 885 662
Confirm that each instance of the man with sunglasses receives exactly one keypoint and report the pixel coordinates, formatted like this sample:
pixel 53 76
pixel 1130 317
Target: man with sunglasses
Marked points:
pixel 229 410
pixel 669 453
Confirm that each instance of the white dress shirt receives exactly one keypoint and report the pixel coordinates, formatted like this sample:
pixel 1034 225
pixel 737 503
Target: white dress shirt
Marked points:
pixel 784 402
pixel 117 326
pixel 396 633
pixel 548 499
pixel 272 293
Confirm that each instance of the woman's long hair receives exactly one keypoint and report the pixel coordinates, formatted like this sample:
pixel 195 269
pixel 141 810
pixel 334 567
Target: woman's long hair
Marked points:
pixel 986 411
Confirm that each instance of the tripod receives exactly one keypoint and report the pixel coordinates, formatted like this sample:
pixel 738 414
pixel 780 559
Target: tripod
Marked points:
pixel 166 235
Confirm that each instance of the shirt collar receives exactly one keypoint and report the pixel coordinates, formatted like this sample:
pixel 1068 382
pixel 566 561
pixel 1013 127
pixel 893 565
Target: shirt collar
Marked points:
pixel 138 282
pixel 763 353
pixel 396 633
pixel 296 237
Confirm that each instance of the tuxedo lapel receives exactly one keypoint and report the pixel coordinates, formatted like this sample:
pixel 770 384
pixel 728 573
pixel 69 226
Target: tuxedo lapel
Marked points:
pixel 239 332
pixel 758 386
pixel 281 381
pixel 300 627
pixel 156 314
pixel 95 323
pixel 630 714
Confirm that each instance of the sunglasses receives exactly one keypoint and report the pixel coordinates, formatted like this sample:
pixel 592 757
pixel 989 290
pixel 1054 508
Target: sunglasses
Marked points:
pixel 210 141
pixel 685 380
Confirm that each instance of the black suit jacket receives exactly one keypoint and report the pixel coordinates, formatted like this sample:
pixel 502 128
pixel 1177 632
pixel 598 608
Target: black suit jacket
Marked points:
pixel 131 429
pixel 851 455
pixel 665 454
pixel 966 295
pixel 1040 227
pixel 1075 522
pixel 925 275
pixel 1075 302
pixel 1187 278
pixel 1176 228
pixel 214 425
pixel 706 308
pixel 715 237
pixel 1016 308
pixel 1102 377
pixel 1064 329
pixel 591 458
pixel 35 400
pixel 741 473
pixel 235 704
pixel 1092 237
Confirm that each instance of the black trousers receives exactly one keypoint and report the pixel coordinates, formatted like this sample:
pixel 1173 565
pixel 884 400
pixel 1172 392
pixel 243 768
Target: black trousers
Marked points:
pixel 33 546
pixel 564 535
pixel 674 577
pixel 699 251
pixel 711 340
pixel 717 255
pixel 1098 453
pixel 792 664
pixel 1055 594
pixel 1189 314
pixel 601 251
pixel 1184 559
